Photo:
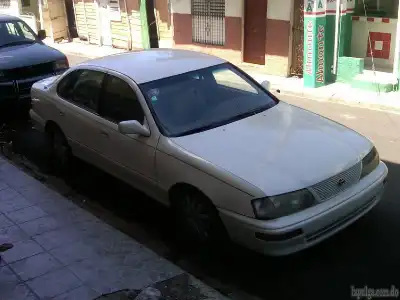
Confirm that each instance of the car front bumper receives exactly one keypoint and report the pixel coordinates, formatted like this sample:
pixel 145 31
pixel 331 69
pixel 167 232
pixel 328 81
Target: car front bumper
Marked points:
pixel 302 230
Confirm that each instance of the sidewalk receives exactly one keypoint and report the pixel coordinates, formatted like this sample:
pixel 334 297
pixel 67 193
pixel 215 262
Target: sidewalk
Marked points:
pixel 63 252
pixel 84 49
pixel 336 92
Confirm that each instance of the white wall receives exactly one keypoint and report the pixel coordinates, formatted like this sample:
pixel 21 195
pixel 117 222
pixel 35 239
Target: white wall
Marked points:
pixel 359 41
pixel 181 6
pixel 234 8
pixel 13 10
pixel 279 9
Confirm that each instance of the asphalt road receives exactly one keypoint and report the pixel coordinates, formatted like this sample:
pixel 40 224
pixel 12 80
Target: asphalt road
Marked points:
pixel 365 254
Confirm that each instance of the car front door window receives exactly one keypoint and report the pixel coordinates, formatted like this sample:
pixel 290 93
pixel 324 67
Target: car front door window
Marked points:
pixel 119 102
pixel 132 155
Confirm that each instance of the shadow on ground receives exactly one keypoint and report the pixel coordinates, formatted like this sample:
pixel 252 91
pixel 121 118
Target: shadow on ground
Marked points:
pixel 366 253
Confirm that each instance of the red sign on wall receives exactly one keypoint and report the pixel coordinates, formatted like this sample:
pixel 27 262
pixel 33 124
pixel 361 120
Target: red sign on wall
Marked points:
pixel 379 45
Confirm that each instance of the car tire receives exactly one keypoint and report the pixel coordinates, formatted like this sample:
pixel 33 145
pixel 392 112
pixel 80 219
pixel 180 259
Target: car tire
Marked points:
pixel 198 219
pixel 60 150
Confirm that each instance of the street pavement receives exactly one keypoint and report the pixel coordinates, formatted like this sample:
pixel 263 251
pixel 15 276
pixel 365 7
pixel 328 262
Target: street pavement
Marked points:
pixel 365 254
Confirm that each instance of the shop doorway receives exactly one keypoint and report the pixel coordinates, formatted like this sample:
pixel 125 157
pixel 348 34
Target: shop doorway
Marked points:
pixel 152 24
pixel 69 7
pixel 255 26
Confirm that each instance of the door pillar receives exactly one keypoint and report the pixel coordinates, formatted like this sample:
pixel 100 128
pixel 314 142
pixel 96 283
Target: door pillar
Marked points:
pixel 396 63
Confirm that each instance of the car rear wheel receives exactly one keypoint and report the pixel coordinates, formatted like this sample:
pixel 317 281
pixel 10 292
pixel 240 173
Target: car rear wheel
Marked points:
pixel 198 218
pixel 60 150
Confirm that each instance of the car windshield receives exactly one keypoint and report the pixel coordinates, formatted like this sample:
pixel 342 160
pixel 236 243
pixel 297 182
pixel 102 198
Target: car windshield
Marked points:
pixel 204 99
pixel 15 33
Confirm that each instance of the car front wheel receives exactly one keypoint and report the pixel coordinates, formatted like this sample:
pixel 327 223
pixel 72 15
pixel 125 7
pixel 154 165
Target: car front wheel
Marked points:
pixel 198 218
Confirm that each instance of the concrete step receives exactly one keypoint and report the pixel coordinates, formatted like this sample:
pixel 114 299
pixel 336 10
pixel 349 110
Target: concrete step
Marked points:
pixel 376 81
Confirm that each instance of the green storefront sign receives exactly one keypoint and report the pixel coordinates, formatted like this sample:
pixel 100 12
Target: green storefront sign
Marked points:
pixel 314 43
pixel 319 39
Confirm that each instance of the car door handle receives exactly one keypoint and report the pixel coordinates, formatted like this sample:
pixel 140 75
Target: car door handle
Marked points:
pixel 62 114
pixel 104 133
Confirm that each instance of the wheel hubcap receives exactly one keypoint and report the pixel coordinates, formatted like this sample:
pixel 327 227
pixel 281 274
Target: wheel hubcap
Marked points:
pixel 197 218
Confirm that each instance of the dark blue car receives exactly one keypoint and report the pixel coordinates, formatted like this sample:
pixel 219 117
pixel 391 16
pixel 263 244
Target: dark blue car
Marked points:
pixel 24 59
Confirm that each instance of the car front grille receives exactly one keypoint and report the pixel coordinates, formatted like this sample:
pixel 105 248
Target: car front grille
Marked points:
pixel 7 91
pixel 336 184
pixel 29 71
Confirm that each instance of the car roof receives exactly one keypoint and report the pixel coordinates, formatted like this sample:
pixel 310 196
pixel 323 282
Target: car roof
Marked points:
pixel 153 64
pixel 8 18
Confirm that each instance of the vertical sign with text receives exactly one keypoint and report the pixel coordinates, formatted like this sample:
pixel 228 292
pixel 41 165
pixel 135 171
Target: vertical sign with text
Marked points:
pixel 314 43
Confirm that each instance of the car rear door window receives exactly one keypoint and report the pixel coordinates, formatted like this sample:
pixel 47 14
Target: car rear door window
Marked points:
pixel 82 88
pixel 66 85
pixel 119 102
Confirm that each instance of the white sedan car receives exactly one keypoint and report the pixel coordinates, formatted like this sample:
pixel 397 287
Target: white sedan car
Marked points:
pixel 198 134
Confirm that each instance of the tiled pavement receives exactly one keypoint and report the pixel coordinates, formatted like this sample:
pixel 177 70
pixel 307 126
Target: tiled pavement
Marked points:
pixel 63 252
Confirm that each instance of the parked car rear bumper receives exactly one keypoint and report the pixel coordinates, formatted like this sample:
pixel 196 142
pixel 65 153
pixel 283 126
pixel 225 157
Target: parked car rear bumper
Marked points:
pixel 322 222
pixel 37 121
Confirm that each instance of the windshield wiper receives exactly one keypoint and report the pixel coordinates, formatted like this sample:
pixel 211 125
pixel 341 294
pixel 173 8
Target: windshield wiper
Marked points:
pixel 201 128
pixel 16 43
pixel 225 121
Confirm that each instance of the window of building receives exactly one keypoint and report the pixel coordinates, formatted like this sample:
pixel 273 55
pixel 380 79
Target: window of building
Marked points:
pixel 5 3
pixel 114 10
pixel 26 3
pixel 208 22
pixel 377 8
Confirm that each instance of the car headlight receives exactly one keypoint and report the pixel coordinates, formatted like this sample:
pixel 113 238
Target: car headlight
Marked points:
pixel 370 162
pixel 61 65
pixel 282 205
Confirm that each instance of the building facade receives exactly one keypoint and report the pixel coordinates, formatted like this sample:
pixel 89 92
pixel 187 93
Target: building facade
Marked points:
pixel 27 10
pixel 362 49
pixel 256 32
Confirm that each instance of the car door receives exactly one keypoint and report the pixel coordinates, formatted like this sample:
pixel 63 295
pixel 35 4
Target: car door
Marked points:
pixel 132 156
pixel 77 113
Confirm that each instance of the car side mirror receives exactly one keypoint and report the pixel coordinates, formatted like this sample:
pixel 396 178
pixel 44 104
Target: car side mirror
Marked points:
pixel 42 34
pixel 133 127
pixel 265 84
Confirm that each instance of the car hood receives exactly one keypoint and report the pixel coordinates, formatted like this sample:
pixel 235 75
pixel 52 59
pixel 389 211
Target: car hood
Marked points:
pixel 280 150
pixel 27 55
